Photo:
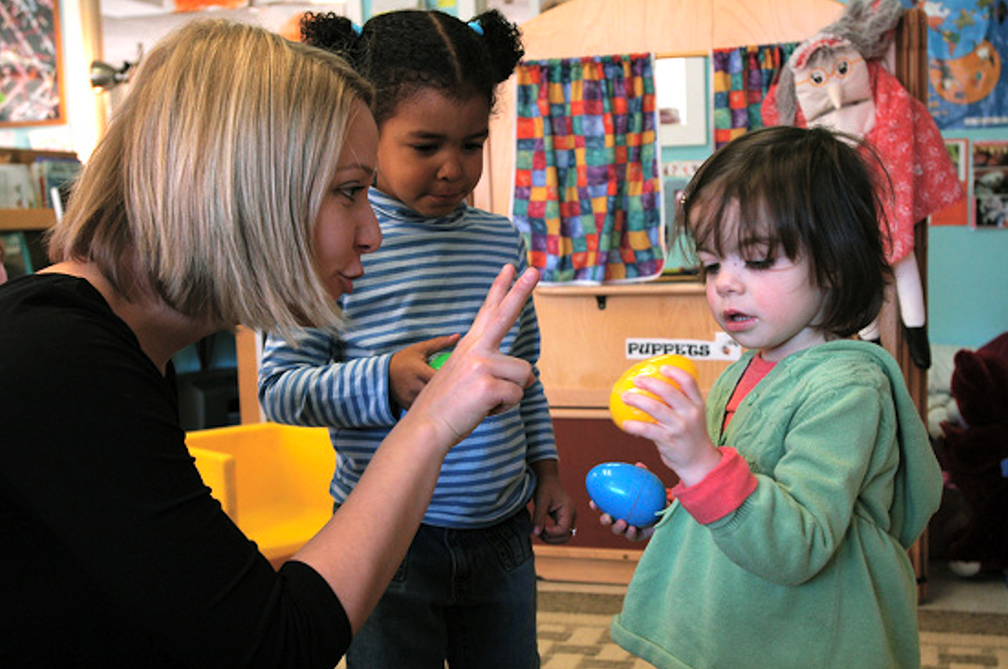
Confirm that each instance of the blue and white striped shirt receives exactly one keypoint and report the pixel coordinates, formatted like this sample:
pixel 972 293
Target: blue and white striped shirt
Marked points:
pixel 428 279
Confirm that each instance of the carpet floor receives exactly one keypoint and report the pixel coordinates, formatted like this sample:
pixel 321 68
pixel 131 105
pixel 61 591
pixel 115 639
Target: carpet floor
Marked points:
pixel 573 628
pixel 574 634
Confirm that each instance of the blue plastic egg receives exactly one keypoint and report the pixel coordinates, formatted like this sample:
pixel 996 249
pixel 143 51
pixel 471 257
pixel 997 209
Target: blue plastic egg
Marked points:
pixel 626 492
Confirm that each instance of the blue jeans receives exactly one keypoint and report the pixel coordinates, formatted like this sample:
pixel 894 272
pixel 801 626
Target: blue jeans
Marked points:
pixel 465 596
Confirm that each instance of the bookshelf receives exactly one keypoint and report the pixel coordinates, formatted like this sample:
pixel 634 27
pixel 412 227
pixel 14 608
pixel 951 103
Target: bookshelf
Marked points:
pixel 28 220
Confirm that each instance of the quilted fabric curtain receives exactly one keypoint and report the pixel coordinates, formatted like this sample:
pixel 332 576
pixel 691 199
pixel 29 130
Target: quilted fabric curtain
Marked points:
pixel 587 183
pixel 742 77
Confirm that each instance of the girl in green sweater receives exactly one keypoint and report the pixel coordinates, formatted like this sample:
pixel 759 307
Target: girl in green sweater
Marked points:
pixel 808 474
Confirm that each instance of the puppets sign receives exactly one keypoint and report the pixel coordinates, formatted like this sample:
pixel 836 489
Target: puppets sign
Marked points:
pixel 722 347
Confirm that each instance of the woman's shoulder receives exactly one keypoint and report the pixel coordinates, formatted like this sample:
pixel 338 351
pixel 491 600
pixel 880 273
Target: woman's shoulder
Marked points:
pixel 38 296
pixel 60 312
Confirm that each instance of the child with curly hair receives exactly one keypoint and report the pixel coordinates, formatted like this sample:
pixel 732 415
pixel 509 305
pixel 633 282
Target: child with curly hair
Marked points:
pixel 466 591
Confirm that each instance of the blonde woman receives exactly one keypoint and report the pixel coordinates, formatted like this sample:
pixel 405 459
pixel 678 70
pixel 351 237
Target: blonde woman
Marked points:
pixel 231 188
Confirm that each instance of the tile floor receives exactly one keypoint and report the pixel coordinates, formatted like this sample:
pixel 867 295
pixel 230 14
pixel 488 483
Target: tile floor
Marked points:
pixel 581 641
pixel 948 592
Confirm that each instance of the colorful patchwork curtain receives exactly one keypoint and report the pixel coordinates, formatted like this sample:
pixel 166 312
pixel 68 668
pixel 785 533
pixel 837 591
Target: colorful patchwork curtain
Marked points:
pixel 742 77
pixel 587 184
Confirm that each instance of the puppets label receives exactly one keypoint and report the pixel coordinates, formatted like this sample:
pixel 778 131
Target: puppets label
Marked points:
pixel 722 347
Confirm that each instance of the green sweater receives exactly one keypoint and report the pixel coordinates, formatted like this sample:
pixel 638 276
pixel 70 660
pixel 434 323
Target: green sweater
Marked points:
pixel 811 569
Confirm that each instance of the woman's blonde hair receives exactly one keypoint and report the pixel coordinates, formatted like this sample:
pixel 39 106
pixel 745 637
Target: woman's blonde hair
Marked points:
pixel 207 186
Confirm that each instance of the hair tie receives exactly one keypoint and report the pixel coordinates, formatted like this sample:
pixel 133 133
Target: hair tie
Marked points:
pixel 475 25
pixel 356 28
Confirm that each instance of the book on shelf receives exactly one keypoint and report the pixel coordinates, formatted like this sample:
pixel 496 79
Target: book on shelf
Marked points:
pixel 54 173
pixel 26 186
pixel 17 188
pixel 16 254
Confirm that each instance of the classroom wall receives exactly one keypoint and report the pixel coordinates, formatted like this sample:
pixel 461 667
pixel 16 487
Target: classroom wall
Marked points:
pixel 967 268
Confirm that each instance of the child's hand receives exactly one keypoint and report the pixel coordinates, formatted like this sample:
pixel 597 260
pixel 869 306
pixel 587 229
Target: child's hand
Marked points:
pixel 478 379
pixel 680 430
pixel 631 532
pixel 409 371
pixel 551 501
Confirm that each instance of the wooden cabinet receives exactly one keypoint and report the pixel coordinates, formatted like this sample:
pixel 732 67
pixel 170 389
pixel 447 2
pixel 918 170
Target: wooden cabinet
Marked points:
pixel 585 333
pixel 585 330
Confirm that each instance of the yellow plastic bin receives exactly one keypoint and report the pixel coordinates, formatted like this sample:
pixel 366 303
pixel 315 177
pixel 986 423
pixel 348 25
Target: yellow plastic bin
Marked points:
pixel 272 480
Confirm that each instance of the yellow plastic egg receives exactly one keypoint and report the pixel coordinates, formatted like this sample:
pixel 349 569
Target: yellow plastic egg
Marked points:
pixel 619 410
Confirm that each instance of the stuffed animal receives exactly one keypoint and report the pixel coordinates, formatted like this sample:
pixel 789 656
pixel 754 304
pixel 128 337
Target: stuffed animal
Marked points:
pixel 975 457
pixel 839 79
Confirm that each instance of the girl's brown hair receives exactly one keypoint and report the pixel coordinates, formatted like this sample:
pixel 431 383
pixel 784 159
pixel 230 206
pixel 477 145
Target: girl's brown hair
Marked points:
pixel 805 192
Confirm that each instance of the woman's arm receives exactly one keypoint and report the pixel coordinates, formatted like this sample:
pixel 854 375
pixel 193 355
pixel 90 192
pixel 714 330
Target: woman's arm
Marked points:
pixel 359 549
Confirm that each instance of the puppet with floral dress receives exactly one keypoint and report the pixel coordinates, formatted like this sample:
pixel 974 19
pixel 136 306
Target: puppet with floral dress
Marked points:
pixel 839 78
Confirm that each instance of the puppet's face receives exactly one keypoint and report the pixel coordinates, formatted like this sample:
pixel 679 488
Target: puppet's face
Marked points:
pixel 834 90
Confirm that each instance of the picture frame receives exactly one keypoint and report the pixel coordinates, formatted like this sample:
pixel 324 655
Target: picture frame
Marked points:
pixel 31 76
pixel 989 196
pixel 959 212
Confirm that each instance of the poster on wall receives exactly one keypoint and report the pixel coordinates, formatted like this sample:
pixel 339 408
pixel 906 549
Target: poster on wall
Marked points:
pixel 958 213
pixel 30 68
pixel 967 52
pixel 990 184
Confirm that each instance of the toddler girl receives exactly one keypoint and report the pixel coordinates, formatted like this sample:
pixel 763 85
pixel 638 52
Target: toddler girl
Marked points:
pixel 808 474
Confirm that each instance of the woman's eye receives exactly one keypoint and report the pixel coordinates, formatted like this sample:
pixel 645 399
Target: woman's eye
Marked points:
pixel 425 148
pixel 350 193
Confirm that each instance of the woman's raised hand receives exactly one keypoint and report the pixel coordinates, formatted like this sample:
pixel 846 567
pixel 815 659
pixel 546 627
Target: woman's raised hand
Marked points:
pixel 478 380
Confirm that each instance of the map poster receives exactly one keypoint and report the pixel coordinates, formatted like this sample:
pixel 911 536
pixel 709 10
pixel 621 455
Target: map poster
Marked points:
pixel 30 71
pixel 967 52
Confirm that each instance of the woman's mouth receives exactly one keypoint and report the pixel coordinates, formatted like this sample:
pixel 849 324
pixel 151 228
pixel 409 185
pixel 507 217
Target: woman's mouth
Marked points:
pixel 345 283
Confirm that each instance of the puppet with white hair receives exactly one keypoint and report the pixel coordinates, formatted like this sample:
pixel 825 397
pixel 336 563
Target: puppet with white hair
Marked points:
pixel 839 79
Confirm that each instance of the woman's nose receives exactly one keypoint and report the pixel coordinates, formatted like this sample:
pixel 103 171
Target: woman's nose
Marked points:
pixel 369 235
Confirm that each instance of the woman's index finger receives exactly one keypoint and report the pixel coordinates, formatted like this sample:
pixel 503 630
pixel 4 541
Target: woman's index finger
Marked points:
pixel 504 302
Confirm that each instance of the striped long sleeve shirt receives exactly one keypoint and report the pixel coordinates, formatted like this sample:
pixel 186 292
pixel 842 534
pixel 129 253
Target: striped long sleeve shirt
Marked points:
pixel 428 279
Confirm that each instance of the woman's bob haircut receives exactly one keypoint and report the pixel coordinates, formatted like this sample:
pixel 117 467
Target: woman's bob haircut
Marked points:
pixel 206 188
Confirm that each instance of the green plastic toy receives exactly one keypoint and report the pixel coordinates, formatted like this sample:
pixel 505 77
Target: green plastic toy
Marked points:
pixel 438 359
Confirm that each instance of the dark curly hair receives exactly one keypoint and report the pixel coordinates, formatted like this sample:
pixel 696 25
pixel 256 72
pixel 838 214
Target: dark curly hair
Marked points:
pixel 403 51
pixel 809 193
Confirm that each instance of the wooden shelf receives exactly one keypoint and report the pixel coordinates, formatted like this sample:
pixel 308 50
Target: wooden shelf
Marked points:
pixel 586 565
pixel 26 219
pixel 17 220
pixel 660 288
